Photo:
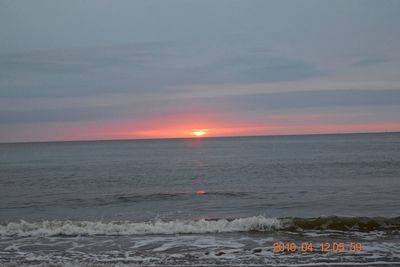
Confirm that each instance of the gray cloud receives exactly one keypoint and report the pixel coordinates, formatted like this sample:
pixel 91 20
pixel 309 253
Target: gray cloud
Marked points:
pixel 72 72
pixel 307 99
pixel 258 67
pixel 114 111
pixel 82 59
pixel 137 68
pixel 261 103
pixel 369 61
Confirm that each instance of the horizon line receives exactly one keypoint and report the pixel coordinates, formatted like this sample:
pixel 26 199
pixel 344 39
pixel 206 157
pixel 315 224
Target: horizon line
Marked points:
pixel 197 138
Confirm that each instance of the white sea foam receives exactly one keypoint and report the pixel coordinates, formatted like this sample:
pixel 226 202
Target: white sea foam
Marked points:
pixel 74 228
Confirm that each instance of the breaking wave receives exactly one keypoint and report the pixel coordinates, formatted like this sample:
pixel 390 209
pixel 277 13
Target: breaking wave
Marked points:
pixel 250 224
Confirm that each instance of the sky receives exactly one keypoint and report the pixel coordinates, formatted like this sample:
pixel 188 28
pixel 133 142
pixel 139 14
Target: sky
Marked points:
pixel 94 69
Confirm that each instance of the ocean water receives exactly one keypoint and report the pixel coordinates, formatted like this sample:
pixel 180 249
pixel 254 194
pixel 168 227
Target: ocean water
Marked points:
pixel 134 203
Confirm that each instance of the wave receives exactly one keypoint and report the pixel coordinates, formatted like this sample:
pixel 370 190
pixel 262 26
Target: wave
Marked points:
pixel 363 224
pixel 250 224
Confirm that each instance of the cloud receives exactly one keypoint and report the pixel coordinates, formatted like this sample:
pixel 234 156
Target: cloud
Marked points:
pixel 82 59
pixel 307 99
pixel 126 106
pixel 83 71
pixel 139 68
pixel 251 68
pixel 369 62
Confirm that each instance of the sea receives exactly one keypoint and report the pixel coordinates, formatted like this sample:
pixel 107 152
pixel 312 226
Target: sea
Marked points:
pixel 311 200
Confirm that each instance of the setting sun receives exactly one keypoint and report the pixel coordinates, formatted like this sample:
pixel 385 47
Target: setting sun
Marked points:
pixel 199 133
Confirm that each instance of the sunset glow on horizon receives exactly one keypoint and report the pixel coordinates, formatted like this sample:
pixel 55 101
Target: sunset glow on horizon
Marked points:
pixel 216 129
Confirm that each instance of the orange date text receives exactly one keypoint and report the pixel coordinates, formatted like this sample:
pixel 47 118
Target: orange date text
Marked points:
pixel 321 247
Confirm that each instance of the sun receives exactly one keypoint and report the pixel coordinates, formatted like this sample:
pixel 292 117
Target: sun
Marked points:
pixel 199 133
